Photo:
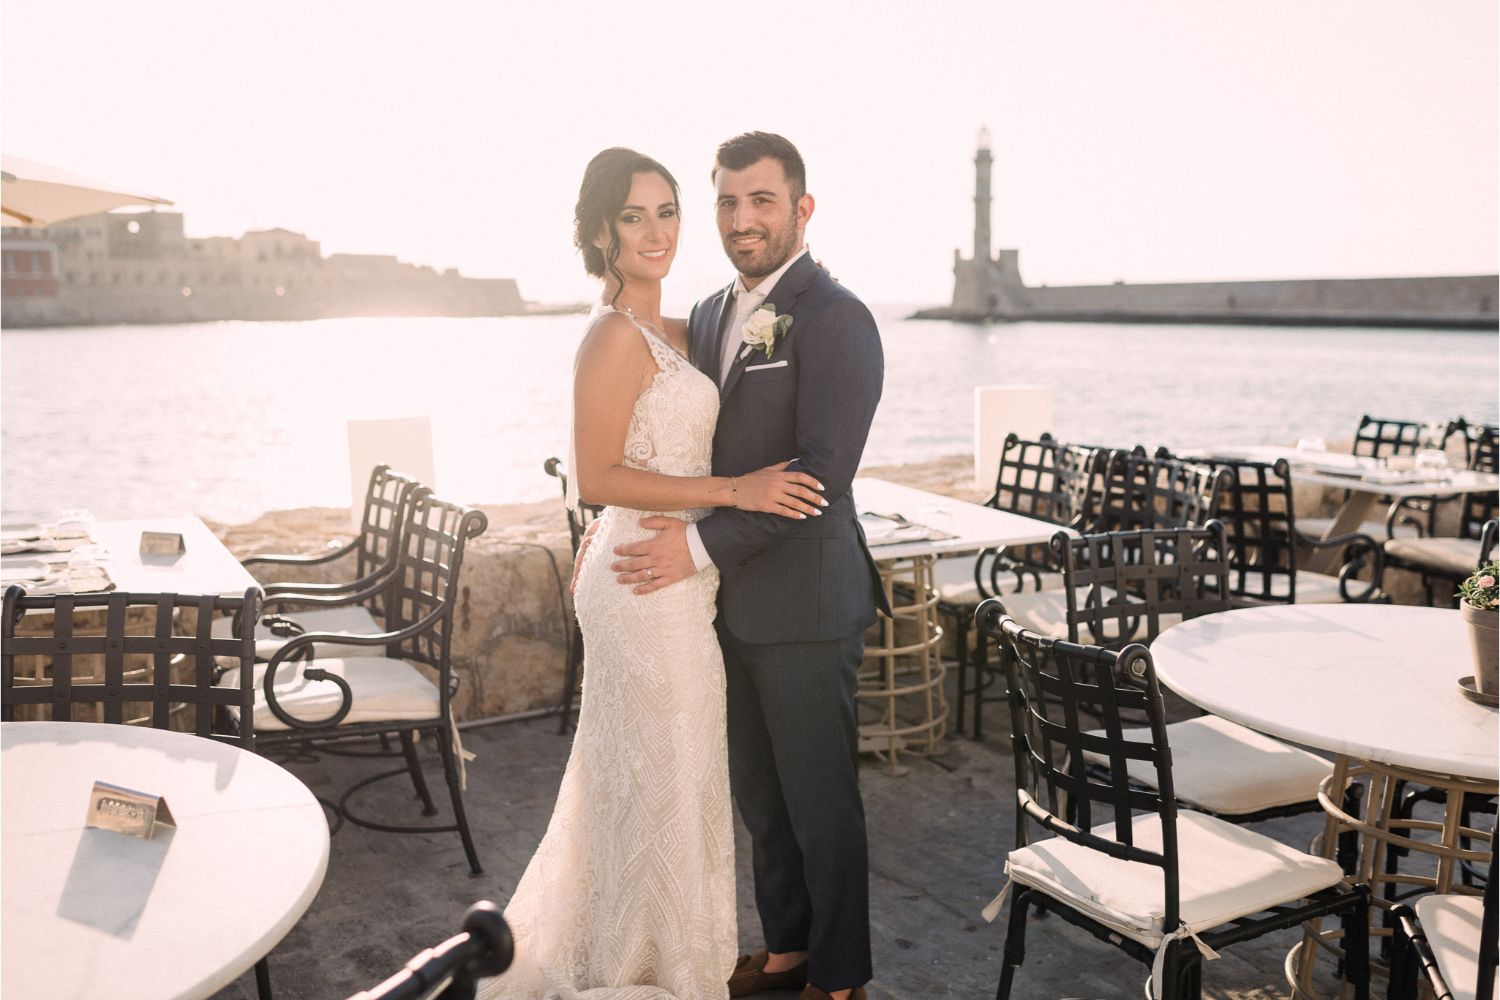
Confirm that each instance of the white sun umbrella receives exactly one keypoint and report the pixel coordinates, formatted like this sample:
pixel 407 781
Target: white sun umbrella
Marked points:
pixel 35 194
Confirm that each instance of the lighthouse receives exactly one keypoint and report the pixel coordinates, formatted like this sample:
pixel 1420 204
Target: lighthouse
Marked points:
pixel 982 161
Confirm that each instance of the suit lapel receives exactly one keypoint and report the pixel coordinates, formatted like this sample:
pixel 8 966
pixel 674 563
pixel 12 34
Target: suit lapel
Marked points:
pixel 707 345
pixel 783 298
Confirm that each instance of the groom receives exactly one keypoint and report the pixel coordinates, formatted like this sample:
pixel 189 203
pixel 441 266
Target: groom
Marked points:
pixel 795 597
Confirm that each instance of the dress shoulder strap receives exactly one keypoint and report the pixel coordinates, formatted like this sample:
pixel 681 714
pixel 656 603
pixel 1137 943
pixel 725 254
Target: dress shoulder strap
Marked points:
pixel 664 354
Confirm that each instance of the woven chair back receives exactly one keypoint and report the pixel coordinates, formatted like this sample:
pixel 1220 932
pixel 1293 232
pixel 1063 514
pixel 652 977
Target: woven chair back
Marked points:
pixel 429 560
pixel 1121 585
pixel 130 658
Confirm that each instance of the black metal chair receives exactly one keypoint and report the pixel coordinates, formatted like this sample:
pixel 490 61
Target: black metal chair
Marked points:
pixel 1452 559
pixel 451 970
pixel 579 519
pixel 1108 490
pixel 1128 587
pixel 1263 539
pixel 1027 482
pixel 1140 493
pixel 137 660
pixel 1450 939
pixel 306 702
pixel 1166 886
pixel 1144 492
pixel 137 663
pixel 388 500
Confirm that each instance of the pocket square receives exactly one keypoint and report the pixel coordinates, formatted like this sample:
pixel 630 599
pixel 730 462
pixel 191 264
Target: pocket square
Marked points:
pixel 761 368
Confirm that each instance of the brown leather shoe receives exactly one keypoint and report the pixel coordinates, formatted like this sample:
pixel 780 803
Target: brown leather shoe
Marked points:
pixel 750 976
pixel 813 993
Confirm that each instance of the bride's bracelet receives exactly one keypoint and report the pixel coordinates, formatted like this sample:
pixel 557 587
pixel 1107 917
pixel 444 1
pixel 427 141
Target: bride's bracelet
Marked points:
pixel 734 492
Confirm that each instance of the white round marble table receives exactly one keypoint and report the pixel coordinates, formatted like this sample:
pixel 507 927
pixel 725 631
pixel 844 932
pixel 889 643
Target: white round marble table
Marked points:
pixel 1377 686
pixel 94 913
pixel 1376 682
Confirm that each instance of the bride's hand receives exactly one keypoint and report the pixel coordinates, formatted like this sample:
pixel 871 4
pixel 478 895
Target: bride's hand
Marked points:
pixel 773 490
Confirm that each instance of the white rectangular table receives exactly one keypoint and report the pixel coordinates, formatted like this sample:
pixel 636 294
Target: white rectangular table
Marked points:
pixel 204 567
pixel 904 667
pixel 1349 472
pixel 973 526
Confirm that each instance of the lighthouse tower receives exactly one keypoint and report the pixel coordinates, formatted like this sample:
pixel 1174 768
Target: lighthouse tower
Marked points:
pixel 982 161
pixel 986 285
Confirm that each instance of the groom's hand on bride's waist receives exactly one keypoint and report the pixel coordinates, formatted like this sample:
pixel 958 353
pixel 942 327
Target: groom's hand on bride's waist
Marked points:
pixel 658 562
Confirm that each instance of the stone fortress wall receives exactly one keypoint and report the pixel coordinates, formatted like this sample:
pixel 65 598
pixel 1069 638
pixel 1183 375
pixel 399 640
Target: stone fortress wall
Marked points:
pixel 140 268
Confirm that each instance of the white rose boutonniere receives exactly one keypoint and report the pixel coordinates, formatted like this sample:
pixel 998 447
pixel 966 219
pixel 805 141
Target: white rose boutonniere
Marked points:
pixel 763 329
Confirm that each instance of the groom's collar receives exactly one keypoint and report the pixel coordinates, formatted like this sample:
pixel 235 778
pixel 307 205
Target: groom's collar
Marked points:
pixel 768 284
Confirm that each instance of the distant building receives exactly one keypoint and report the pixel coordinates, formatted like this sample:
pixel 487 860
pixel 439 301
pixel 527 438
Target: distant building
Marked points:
pixel 988 286
pixel 140 268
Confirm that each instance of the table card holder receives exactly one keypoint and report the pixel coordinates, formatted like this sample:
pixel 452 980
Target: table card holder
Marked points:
pixel 135 814
pixel 162 543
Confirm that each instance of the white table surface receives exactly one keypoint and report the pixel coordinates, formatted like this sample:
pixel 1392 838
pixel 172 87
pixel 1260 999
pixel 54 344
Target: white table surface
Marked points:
pixel 974 526
pixel 91 913
pixel 206 567
pixel 1375 682
pixel 1321 468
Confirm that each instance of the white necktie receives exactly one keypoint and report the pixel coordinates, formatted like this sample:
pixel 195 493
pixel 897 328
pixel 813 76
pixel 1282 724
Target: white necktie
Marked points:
pixel 733 333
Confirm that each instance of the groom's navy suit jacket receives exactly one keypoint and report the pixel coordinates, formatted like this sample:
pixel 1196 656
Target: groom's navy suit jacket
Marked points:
pixel 783 580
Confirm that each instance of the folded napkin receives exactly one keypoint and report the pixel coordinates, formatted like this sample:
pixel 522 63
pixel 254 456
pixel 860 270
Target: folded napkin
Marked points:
pixel 84 570
pixel 71 530
pixel 893 529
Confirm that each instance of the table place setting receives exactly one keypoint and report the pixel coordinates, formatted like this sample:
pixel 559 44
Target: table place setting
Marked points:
pixel 893 529
pixel 61 556
pixel 71 530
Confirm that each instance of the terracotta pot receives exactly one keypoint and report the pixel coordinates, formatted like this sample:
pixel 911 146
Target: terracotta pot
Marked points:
pixel 1484 640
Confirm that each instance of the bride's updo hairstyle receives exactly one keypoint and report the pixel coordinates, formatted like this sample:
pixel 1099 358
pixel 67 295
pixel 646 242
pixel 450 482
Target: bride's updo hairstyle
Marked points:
pixel 606 185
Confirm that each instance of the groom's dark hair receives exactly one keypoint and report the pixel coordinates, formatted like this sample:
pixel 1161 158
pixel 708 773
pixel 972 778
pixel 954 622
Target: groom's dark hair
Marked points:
pixel 752 147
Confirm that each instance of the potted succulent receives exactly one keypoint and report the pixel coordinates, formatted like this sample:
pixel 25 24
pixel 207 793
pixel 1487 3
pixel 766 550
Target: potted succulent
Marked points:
pixel 1480 603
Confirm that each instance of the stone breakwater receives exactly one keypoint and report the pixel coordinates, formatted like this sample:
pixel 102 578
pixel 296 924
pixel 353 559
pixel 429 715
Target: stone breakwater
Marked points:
pixel 511 626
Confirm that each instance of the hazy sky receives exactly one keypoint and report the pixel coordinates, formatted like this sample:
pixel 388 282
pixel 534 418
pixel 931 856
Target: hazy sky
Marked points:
pixel 1145 141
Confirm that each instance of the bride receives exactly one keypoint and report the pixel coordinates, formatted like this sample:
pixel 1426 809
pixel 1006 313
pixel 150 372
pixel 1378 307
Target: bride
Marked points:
pixel 631 893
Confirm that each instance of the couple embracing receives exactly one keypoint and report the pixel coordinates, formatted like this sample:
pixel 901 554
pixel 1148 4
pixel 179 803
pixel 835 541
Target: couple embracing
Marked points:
pixel 723 598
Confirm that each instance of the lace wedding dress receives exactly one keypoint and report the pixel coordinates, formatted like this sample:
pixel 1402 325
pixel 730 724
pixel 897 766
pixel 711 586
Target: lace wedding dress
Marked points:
pixel 631 895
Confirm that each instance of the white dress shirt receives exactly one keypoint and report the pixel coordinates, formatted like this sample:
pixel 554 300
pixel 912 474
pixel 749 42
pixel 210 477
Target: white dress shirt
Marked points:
pixel 745 301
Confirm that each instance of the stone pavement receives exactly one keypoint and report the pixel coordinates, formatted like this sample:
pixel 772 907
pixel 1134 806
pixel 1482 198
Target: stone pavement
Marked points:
pixel 937 842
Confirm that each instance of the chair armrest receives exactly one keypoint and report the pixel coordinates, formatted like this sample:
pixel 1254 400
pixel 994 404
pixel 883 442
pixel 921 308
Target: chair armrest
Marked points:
pixel 336 597
pixel 293 587
pixel 1358 549
pixel 1487 538
pixel 291 560
pixel 293 650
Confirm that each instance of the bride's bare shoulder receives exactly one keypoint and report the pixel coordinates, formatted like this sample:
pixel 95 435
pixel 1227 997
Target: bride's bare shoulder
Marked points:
pixel 612 342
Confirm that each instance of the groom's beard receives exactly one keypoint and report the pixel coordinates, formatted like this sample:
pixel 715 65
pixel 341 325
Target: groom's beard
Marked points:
pixel 774 249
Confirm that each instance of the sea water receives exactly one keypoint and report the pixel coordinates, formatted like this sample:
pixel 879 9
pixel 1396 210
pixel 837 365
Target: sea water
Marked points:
pixel 228 420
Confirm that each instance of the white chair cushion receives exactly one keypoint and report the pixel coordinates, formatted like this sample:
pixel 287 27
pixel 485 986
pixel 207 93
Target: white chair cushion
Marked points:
pixel 1046 613
pixel 1452 925
pixel 1227 769
pixel 384 690
pixel 1312 588
pixel 1224 871
pixel 1458 556
pixel 954 579
pixel 349 618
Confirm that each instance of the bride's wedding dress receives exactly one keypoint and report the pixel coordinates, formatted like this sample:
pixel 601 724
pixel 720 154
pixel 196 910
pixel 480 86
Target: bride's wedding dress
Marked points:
pixel 631 894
